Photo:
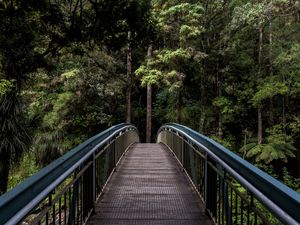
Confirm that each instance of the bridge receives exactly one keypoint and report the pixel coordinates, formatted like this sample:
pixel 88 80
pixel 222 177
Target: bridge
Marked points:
pixel 184 178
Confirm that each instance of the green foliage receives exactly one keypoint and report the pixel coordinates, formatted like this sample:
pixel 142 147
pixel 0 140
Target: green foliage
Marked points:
pixel 269 88
pixel 295 126
pixel 225 142
pixel 285 176
pixel 161 68
pixel 62 73
pixel 269 152
pixel 170 57
pixel 226 107
pixel 291 181
pixel 60 110
pixel 289 67
pixel 249 13
pixel 276 134
pixel 5 86
pixel 278 147
pixel 20 172
pixel 70 74
pixel 182 21
pixel 73 102
pixel 149 76
pixel 49 146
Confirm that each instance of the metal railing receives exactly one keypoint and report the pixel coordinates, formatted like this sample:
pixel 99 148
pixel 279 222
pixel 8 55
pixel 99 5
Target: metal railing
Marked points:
pixel 233 190
pixel 65 191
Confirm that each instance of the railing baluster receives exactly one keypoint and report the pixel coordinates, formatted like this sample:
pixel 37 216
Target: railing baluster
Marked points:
pixel 65 208
pixel 53 210
pixel 255 218
pixel 82 199
pixel 236 208
pixel 231 203
pixel 59 211
pixel 225 198
pixel 76 194
pixel 47 218
pixel 248 214
pixel 205 180
pixel 242 210
pixel 71 207
pixel 219 198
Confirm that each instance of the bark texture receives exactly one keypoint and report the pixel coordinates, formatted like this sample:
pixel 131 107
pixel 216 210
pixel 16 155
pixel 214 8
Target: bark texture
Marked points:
pixel 129 79
pixel 149 104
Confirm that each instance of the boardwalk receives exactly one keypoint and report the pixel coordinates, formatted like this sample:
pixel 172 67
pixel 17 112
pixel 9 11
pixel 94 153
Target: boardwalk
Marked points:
pixel 149 188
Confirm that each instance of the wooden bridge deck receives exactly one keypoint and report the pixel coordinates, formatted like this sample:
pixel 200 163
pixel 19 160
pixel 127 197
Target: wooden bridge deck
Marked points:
pixel 148 187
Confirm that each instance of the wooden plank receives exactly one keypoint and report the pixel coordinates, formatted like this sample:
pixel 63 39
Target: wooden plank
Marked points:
pixel 148 187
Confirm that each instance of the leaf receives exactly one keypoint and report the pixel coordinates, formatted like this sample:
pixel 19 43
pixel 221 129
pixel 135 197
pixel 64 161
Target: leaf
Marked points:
pixel 70 74
pixel 270 88
pixel 5 86
pixel 248 147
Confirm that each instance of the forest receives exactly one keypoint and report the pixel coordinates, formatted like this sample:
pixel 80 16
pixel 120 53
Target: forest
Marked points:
pixel 228 69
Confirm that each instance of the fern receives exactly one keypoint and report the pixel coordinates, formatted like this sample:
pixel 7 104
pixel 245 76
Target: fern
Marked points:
pixel 268 152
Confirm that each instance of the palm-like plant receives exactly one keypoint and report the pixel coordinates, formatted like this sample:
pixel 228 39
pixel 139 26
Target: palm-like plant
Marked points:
pixel 48 146
pixel 278 146
pixel 269 152
pixel 14 138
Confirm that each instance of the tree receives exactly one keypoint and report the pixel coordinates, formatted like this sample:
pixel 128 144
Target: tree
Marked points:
pixel 149 103
pixel 16 37
pixel 82 95
pixel 30 32
pixel 179 27
pixel 5 86
pixel 129 79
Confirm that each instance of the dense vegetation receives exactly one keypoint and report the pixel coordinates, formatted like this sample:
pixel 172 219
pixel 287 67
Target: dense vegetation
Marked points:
pixel 227 68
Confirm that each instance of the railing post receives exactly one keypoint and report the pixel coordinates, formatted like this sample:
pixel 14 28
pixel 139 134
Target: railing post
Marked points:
pixel 172 141
pixel 192 164
pixel 94 180
pixel 225 200
pixel 211 189
pixel 72 202
pixel 116 150
pixel 106 162
pixel 205 180
pixel 182 150
pixel 114 154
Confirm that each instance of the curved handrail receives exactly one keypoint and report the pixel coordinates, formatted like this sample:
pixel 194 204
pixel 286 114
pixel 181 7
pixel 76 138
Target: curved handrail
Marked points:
pixel 23 198
pixel 282 200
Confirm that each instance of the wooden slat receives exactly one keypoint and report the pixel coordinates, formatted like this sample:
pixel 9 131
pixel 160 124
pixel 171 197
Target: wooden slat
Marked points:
pixel 148 187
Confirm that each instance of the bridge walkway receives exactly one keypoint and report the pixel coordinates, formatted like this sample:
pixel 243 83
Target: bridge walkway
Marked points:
pixel 149 187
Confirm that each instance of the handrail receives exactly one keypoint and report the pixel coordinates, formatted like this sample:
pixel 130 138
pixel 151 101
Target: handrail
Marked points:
pixel 280 199
pixel 18 202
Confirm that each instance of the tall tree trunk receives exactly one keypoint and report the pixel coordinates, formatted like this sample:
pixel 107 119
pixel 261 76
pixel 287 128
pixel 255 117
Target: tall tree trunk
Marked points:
pixel 271 39
pixel 220 125
pixel 129 79
pixel 219 90
pixel 259 110
pixel 271 111
pixel 202 104
pixel 260 126
pixel 271 60
pixel 4 172
pixel 297 165
pixel 179 108
pixel 14 137
pixel 283 110
pixel 149 104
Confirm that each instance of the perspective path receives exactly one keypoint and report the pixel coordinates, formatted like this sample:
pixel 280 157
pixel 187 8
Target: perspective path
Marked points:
pixel 149 187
